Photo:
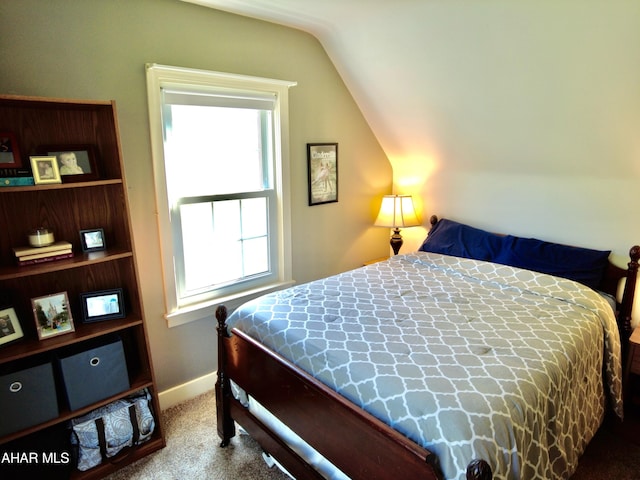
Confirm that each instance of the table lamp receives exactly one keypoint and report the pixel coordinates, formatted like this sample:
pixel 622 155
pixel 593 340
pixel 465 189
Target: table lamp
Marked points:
pixel 397 211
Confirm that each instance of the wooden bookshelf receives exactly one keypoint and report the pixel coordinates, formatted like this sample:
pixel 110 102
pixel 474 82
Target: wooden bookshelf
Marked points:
pixel 67 208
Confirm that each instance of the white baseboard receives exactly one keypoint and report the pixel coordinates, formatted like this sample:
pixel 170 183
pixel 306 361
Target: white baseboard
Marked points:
pixel 187 391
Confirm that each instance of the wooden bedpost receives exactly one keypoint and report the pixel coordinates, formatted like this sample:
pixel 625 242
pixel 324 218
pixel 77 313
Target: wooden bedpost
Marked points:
pixel 624 316
pixel 226 425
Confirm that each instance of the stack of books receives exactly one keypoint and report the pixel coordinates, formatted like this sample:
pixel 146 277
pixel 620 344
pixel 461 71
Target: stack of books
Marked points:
pixel 15 177
pixel 33 255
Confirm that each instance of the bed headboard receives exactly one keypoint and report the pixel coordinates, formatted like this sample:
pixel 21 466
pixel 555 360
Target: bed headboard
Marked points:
pixel 610 282
pixel 487 246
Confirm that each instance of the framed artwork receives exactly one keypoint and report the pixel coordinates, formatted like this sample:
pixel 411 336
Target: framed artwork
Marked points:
pixel 45 170
pixel 9 153
pixel 10 328
pixel 92 240
pixel 102 305
pixel 77 163
pixel 322 168
pixel 52 315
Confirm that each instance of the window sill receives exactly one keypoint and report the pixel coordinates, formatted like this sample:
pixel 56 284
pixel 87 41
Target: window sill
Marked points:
pixel 205 310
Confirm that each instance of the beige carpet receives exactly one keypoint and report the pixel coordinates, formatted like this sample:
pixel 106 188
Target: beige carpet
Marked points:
pixel 193 451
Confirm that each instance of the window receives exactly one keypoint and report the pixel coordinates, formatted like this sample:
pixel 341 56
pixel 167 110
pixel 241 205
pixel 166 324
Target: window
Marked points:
pixel 220 156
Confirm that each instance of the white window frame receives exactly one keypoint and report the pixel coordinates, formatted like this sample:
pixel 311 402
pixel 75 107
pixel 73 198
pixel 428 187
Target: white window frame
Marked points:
pixel 163 76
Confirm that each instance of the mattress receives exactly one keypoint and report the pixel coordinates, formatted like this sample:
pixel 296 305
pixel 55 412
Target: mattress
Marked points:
pixel 469 359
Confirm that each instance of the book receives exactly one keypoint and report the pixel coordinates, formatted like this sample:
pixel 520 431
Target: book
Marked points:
pixel 36 261
pixel 16 181
pixel 57 246
pixel 15 172
pixel 35 256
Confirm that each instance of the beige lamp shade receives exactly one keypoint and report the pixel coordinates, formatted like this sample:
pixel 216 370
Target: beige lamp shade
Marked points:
pixel 397 211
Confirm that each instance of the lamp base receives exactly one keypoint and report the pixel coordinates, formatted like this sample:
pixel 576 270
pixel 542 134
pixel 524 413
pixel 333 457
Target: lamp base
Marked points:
pixel 396 241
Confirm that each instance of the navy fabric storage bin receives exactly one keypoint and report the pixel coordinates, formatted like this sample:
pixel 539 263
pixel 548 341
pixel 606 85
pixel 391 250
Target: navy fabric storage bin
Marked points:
pixel 27 398
pixel 94 374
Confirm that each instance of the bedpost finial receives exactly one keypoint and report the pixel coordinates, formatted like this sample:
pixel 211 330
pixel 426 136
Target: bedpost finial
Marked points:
pixel 479 470
pixel 221 316
pixel 634 253
pixel 433 220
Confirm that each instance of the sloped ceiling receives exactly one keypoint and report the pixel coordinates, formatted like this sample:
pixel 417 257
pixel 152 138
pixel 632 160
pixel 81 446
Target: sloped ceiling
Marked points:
pixel 528 87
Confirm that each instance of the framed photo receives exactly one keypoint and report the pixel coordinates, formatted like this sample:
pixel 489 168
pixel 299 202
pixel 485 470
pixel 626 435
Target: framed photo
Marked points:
pixel 9 153
pixel 92 240
pixel 53 315
pixel 10 328
pixel 322 167
pixel 77 163
pixel 45 170
pixel 102 305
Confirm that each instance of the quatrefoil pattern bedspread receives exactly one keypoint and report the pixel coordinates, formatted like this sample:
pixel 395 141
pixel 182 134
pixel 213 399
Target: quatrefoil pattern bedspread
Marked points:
pixel 467 358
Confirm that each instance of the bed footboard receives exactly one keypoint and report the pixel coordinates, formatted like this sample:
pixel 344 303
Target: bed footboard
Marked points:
pixel 357 443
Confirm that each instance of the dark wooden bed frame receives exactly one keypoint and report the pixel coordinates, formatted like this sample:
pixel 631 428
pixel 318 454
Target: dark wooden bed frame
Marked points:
pixel 361 446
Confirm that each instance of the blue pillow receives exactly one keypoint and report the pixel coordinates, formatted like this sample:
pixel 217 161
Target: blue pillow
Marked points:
pixel 582 265
pixel 453 238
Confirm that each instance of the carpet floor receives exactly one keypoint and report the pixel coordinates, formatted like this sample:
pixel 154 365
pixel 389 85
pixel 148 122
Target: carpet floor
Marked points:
pixel 193 450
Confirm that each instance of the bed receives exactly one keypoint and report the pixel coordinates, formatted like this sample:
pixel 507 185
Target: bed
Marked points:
pixel 479 356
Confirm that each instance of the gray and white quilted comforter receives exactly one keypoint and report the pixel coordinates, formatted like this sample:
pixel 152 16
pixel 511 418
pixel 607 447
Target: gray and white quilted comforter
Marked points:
pixel 467 358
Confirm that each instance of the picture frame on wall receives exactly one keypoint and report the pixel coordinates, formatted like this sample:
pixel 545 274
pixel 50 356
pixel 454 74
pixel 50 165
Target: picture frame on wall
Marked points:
pixel 92 240
pixel 10 328
pixel 52 315
pixel 102 305
pixel 322 171
pixel 77 163
pixel 45 170
pixel 9 151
